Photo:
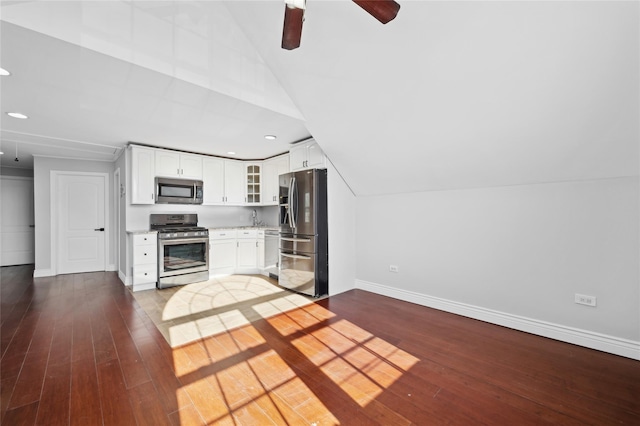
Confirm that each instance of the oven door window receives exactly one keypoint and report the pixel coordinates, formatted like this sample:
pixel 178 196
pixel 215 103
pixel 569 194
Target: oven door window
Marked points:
pixel 179 257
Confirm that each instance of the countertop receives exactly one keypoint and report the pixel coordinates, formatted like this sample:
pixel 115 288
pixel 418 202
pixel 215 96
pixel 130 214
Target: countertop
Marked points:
pixel 264 228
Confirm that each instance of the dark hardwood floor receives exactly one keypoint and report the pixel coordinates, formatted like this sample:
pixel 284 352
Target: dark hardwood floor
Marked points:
pixel 78 350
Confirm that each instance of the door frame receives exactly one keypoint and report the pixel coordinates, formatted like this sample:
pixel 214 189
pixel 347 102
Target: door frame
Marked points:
pixel 118 192
pixel 55 232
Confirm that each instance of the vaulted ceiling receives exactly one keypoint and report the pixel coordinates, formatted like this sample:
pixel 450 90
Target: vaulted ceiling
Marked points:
pixel 449 95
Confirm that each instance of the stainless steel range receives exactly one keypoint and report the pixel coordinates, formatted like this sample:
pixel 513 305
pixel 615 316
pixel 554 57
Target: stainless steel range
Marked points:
pixel 183 249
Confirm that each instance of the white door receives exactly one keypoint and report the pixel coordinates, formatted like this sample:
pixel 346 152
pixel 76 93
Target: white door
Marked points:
pixel 81 223
pixel 16 221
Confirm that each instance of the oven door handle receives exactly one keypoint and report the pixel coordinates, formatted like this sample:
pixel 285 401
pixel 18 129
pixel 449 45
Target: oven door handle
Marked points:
pixel 177 241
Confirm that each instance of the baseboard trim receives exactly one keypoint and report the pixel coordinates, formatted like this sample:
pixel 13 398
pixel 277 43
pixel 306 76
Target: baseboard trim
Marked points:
pixel 589 339
pixel 125 280
pixel 145 286
pixel 37 273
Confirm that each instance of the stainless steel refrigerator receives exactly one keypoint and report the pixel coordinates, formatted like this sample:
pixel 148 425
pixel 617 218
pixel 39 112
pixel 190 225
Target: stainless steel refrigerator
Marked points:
pixel 303 255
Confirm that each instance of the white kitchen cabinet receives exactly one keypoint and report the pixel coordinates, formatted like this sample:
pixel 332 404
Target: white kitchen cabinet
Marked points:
pixel 253 183
pixel 142 175
pixel 213 180
pixel 247 256
pixel 271 170
pixel 223 181
pixel 222 251
pixel 145 261
pixel 239 251
pixel 234 178
pixel 178 165
pixel 306 155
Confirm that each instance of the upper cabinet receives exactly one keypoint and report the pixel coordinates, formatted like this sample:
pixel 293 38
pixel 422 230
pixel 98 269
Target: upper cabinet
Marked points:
pixel 178 165
pixel 223 181
pixel 213 180
pixel 306 155
pixel 234 179
pixel 254 184
pixel 271 169
pixel 142 175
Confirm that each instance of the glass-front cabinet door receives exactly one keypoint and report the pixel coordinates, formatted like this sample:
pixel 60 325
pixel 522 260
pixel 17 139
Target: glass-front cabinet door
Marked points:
pixel 253 184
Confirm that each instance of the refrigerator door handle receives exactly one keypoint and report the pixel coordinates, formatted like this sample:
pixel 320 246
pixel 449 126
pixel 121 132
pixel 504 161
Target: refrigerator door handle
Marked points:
pixel 296 240
pixel 293 195
pixel 289 203
pixel 295 256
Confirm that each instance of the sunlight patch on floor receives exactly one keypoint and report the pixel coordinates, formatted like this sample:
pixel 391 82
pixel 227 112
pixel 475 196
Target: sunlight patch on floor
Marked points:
pixel 191 312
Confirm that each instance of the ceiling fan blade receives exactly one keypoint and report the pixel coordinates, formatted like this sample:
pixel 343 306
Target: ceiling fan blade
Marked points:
pixel 383 10
pixel 292 30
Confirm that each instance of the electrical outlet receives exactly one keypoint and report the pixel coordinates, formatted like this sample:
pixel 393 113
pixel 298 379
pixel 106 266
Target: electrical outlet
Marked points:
pixel 394 268
pixel 583 299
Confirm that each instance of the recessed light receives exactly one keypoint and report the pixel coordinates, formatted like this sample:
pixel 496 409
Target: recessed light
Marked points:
pixel 4 72
pixel 17 115
pixel 1 153
pixel 270 137
pixel 231 153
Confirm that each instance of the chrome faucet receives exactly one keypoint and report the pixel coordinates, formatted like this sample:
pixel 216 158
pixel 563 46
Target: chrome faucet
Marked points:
pixel 254 216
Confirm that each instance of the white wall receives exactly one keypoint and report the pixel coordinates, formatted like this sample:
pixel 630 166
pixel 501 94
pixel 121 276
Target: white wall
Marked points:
pixel 15 171
pixel 341 206
pixel 520 250
pixel 42 167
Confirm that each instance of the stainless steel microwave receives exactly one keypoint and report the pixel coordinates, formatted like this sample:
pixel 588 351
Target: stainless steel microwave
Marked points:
pixel 178 191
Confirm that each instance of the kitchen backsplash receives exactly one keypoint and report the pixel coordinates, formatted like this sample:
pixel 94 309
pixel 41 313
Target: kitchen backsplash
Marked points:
pixel 208 216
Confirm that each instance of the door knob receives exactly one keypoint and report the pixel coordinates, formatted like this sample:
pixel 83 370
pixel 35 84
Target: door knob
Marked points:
pixel 99 229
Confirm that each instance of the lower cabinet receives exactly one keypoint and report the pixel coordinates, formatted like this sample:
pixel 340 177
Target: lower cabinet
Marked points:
pixel 247 255
pixel 222 251
pixel 145 261
pixel 236 251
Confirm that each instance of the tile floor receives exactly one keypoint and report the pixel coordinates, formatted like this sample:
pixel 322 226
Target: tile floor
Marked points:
pixel 187 313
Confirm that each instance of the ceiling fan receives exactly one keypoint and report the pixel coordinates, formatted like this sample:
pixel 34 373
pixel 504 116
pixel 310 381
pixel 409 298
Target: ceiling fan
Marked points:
pixel 383 10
